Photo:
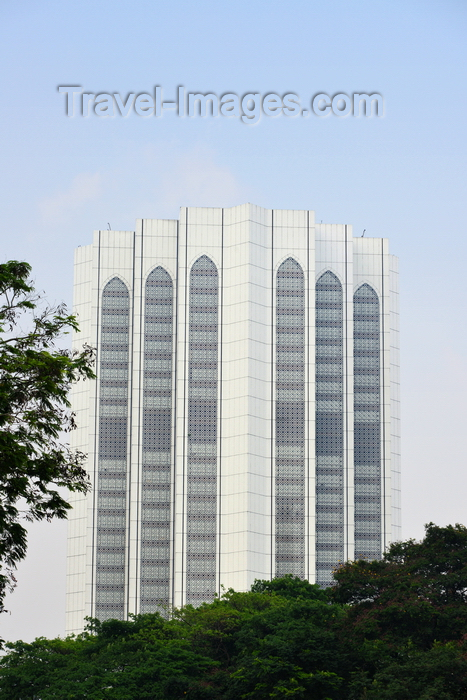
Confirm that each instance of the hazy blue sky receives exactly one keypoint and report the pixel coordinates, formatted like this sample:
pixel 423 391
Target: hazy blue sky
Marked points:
pixel 402 176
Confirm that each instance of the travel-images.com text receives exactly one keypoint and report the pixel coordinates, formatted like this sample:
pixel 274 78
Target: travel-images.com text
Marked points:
pixel 248 107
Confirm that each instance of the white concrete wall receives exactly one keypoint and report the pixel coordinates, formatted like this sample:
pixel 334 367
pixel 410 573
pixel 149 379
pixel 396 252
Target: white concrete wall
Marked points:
pixel 395 399
pixel 80 439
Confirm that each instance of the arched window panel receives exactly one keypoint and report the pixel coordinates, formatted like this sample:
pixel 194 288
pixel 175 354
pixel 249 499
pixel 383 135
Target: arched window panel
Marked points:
pixel 367 423
pixel 203 339
pixel 156 471
pixel 112 450
pixel 290 420
pixel 329 427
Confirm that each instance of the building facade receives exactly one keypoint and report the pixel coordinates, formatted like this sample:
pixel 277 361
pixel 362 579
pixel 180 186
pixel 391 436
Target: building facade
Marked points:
pixel 245 418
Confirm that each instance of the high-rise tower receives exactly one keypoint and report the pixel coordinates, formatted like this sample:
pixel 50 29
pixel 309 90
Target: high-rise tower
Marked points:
pixel 245 418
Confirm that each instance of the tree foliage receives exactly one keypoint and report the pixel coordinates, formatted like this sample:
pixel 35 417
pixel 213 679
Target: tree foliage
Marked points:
pixel 35 379
pixel 393 629
pixel 417 591
pixel 363 639
pixel 243 645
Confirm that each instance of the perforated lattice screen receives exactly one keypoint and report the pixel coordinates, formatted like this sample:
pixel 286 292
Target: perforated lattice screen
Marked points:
pixel 367 424
pixel 202 432
pixel 290 420
pixel 156 470
pixel 112 453
pixel 329 427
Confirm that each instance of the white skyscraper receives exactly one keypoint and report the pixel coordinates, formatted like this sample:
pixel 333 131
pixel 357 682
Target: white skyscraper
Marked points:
pixel 245 418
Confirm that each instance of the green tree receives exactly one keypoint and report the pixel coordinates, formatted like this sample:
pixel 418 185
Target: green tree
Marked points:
pixel 242 645
pixel 290 586
pixel 145 658
pixel 35 379
pixel 291 648
pixel 417 591
pixel 439 673
pixel 406 621
pixel 284 639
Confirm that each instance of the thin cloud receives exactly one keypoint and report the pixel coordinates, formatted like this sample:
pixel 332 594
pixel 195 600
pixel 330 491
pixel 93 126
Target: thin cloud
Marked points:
pixel 86 187
pixel 197 179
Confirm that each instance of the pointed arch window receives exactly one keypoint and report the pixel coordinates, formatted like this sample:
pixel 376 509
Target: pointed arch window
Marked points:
pixel 156 472
pixel 367 423
pixel 202 432
pixel 114 360
pixel 290 420
pixel 329 427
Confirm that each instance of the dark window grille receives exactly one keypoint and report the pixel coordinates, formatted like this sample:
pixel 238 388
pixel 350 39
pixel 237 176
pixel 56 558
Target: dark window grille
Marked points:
pixel 114 363
pixel 290 420
pixel 367 424
pixel 202 433
pixel 329 427
pixel 156 472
